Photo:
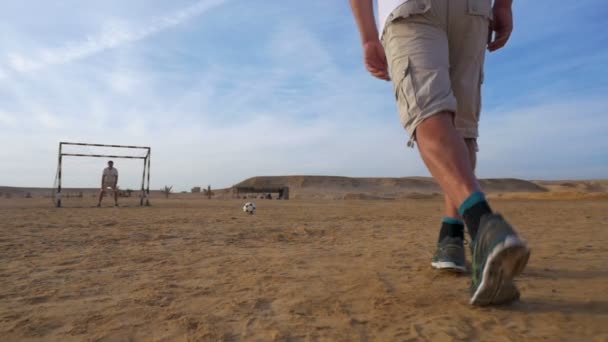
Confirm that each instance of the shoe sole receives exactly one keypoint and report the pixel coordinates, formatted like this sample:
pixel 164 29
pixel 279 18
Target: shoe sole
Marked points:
pixel 506 261
pixel 448 266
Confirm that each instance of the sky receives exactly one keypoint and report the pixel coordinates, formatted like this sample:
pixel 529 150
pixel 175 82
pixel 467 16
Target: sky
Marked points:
pixel 224 90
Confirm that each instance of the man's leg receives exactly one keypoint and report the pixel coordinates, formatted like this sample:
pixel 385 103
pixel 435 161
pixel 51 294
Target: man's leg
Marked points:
pixel 418 51
pixel 450 254
pixel 101 193
pixel 451 207
pixel 445 154
pixel 115 192
pixel 417 48
pixel 498 254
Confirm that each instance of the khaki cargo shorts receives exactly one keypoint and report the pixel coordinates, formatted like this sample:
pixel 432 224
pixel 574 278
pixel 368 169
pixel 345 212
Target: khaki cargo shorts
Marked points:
pixel 436 52
pixel 107 185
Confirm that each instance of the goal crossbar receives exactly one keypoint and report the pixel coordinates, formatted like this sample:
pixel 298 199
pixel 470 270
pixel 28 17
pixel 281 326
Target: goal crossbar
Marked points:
pixel 145 180
pixel 103 145
pixel 100 156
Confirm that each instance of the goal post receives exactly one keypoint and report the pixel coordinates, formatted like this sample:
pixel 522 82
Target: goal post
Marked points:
pixel 145 154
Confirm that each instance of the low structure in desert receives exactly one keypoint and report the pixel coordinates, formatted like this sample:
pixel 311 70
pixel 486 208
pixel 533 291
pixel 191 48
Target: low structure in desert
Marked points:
pixel 281 191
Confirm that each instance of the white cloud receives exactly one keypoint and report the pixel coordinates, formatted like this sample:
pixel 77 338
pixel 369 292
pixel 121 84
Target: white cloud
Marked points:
pixel 7 119
pixel 114 34
pixel 136 128
pixel 547 140
pixel 48 120
pixel 123 82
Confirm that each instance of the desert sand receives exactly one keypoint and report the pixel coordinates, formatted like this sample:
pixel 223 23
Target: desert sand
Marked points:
pixel 189 268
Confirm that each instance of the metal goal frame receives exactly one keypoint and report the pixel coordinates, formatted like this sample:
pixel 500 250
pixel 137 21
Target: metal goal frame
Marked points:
pixel 145 178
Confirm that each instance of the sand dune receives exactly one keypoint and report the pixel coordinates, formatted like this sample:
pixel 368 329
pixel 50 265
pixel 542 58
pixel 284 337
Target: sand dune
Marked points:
pixel 404 184
pixel 575 186
pixel 331 187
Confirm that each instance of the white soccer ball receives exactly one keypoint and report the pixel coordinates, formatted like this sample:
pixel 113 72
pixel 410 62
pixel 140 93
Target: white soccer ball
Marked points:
pixel 249 208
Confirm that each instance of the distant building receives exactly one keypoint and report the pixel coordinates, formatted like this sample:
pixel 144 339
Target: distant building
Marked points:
pixel 281 191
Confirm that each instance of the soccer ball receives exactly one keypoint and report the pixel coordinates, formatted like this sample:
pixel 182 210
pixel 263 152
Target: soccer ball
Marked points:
pixel 249 208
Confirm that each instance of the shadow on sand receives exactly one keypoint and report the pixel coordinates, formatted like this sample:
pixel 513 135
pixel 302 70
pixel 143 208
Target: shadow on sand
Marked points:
pixel 594 307
pixel 552 273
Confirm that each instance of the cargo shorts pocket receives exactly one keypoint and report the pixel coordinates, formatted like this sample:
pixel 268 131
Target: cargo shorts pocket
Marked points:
pixel 410 8
pixel 481 8
pixel 405 93
pixel 477 110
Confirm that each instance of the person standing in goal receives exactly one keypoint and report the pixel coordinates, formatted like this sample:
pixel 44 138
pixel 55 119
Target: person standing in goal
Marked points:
pixel 436 52
pixel 109 179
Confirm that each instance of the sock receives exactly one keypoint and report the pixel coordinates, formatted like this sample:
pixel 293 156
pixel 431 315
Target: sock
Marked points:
pixel 451 227
pixel 472 209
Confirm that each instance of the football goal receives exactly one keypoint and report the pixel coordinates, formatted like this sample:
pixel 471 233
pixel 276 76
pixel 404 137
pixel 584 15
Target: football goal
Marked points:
pixel 81 177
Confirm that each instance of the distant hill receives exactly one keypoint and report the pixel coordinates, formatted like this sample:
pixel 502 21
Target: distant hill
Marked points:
pixel 575 186
pixel 368 187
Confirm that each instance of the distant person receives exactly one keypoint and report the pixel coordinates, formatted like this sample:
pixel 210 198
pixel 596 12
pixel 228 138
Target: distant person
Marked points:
pixel 109 180
pixel 436 51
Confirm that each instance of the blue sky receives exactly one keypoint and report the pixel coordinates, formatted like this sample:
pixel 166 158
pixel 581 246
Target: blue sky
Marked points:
pixel 223 90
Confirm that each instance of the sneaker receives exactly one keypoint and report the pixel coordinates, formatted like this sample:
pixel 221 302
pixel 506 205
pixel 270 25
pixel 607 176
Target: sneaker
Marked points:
pixel 507 294
pixel 450 255
pixel 498 256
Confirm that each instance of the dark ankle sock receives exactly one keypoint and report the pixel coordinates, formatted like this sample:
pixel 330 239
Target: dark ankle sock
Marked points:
pixel 451 227
pixel 472 209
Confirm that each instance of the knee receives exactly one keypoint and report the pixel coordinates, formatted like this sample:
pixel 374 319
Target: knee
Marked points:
pixel 443 118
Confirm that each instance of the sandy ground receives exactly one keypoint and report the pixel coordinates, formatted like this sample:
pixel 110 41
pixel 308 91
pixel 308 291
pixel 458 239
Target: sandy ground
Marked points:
pixel 296 271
